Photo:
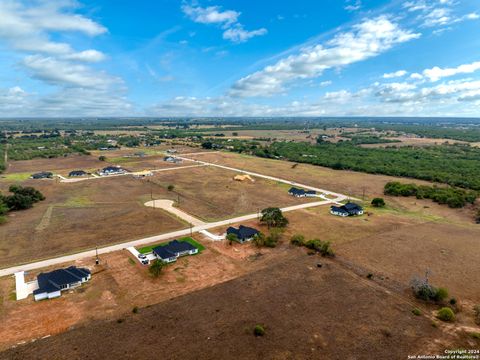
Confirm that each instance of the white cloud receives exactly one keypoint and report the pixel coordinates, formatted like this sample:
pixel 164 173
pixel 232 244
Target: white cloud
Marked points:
pixel 353 5
pixel 436 73
pixel 65 73
pixel 367 39
pixel 395 74
pixel 238 34
pixel 228 19
pixel 210 15
pixel 26 28
pixel 90 56
pixel 438 13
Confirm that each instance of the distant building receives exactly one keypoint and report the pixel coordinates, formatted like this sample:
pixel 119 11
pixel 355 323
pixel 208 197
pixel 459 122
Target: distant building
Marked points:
pixel 77 173
pixel 172 159
pixel 172 151
pixel 243 233
pixel 349 209
pixel 42 175
pixel 173 250
pixel 51 284
pixel 301 192
pixel 112 170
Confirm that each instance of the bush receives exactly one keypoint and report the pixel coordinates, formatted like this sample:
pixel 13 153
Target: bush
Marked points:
pixel 102 158
pixel 416 312
pixel 258 330
pixel 297 240
pixel 322 247
pixel 378 202
pixel 446 314
pixel 156 267
pixel 441 294
pixel 231 238
pixel 135 310
pixel 170 187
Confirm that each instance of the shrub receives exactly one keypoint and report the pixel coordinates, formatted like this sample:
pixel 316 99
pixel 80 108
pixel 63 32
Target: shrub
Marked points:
pixel 135 310
pixel 322 247
pixel 170 187
pixel 475 335
pixel 446 314
pixel 258 330
pixel 156 267
pixel 378 202
pixel 440 294
pixel 369 276
pixel 231 238
pixel 102 158
pixel 416 312
pixel 476 311
pixel 297 240
pixel 272 239
pixel 453 301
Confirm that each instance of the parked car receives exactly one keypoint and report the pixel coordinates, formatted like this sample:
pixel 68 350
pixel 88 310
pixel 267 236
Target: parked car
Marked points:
pixel 145 262
pixel 142 256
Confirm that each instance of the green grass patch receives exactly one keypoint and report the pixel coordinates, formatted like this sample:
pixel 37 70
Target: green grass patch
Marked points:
pixel 149 248
pixel 78 201
pixel 16 176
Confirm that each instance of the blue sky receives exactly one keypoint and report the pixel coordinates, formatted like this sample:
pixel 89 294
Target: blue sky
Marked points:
pixel 232 58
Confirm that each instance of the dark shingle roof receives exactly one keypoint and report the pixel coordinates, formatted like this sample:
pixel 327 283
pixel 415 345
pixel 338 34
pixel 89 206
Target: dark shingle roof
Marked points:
pixel 52 281
pixel 351 206
pixel 77 173
pixel 163 253
pixel 339 209
pixel 176 246
pixel 243 232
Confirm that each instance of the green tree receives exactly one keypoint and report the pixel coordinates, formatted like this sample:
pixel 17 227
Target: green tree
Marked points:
pixel 102 158
pixel 156 267
pixel 231 238
pixel 273 217
pixel 170 187
pixel 378 202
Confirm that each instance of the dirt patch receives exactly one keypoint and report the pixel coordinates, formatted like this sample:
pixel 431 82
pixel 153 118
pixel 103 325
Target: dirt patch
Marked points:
pixel 307 313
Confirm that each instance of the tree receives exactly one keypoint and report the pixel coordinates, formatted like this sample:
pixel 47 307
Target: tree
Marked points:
pixel 19 202
pixel 272 239
pixel 170 187
pixel 273 217
pixel 259 240
pixel 477 217
pixel 378 202
pixel 207 145
pixel 102 158
pixel 231 238
pixel 156 267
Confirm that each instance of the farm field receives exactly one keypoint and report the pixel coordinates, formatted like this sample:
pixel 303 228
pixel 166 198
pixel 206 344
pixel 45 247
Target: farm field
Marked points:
pixel 302 308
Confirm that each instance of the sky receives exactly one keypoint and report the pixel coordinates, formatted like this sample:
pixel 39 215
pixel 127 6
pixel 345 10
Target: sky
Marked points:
pixel 169 58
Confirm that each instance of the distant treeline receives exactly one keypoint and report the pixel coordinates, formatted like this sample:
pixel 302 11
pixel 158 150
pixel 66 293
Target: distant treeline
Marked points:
pixel 453 197
pixel 456 165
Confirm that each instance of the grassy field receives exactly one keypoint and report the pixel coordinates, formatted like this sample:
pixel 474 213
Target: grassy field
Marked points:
pixel 149 248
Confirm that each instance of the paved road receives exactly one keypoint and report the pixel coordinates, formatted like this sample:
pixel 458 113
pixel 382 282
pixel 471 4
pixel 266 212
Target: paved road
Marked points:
pixel 145 241
pixel 167 205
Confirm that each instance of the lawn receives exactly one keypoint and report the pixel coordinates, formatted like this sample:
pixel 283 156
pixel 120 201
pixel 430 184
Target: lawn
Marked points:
pixel 149 248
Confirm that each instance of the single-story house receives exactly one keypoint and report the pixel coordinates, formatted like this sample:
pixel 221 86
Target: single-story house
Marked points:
pixel 353 208
pixel 42 175
pixel 349 209
pixel 339 211
pixel 112 170
pixel 172 159
pixel 301 192
pixel 173 250
pixel 244 233
pixel 51 284
pixel 77 173
pixel 171 151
